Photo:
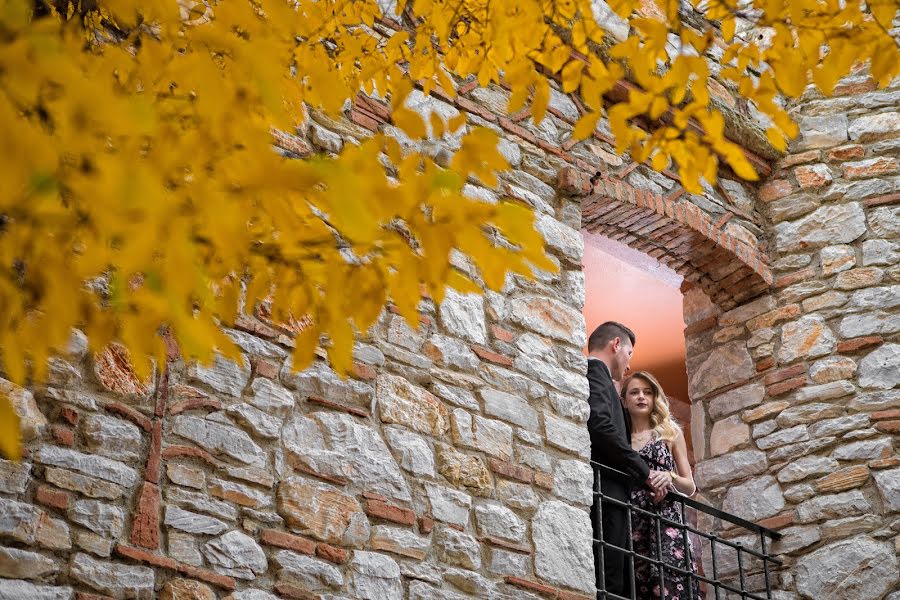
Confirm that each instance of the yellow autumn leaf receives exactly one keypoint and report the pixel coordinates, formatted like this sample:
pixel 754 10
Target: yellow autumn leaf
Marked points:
pixel 10 439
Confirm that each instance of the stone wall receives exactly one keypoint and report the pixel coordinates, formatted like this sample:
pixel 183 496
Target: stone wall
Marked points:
pixel 797 393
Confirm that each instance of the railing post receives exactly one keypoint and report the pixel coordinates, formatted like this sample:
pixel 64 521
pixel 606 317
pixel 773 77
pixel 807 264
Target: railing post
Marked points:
pixel 630 556
pixel 659 555
pixel 740 563
pixel 687 552
pixel 715 567
pixel 762 539
pixel 599 572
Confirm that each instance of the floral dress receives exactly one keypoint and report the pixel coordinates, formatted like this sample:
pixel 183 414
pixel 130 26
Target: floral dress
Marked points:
pixel 643 534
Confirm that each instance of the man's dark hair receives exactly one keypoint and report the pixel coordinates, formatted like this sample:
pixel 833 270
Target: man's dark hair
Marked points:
pixel 606 333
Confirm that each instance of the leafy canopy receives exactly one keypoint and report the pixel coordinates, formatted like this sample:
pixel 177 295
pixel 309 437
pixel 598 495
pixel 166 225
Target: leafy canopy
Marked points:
pixel 140 192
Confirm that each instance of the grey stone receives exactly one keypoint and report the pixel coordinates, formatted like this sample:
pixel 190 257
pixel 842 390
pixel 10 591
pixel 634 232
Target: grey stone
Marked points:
pixel 858 568
pixel 735 400
pixel 22 564
pixel 237 555
pixel 755 499
pixel 400 540
pixel 719 470
pixel 202 502
pixel 223 375
pixel 326 140
pixel 832 368
pixel 567 436
pixel 256 346
pixel 93 543
pixel 402 403
pixel 727 434
pixel 745 312
pixel 11 589
pixel 554 376
pixel 517 495
pixel 825 391
pixel 835 259
pixel 95 466
pixel 888 483
pixel 352 450
pixel 574 407
pixel 561 238
pixel 796 538
pixel 321 381
pixel 14 476
pixel 255 421
pixel 117 580
pixel 549 317
pixel 838 425
pixel 313 574
pixel 572 481
pixel 498 521
pixel 764 428
pixel 219 439
pixel 791 435
pixel 807 337
pixel 829 224
pixel 865 450
pixel 880 252
pixel 822 132
pixel 842 528
pixel 793 451
pixel 463 315
pixel 104 519
pixel 807 466
pixel 455 353
pixel 413 452
pixel 253 595
pixel 456 396
pixel 611 22
pixel 869 323
pixel 873 126
pixel 885 221
pixel 448 505
pixel 833 506
pixel 470 582
pixel 488 435
pixel 419 590
pixel 534 458
pixel 504 562
pixel 876 401
pixel 727 364
pixel 876 298
pixel 514 383
pixel 183 548
pixel 799 493
pixel 457 548
pixel 880 368
pixel 562 546
pixel 193 522
pixel 113 438
pixel 509 408
pixel 270 397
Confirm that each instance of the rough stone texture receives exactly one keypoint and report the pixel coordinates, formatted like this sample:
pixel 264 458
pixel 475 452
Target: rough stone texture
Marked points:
pixel 322 511
pixel 858 567
pixel 22 564
pixel 11 589
pixel 375 577
pixel 888 483
pixel 116 580
pixel 562 546
pixel 223 375
pixel 755 500
pixel 729 364
pixel 218 438
pixel 236 554
pixel 881 369
pixel 742 463
pixel 402 403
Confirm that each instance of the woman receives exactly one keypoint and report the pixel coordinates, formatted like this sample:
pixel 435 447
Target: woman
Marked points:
pixel 660 442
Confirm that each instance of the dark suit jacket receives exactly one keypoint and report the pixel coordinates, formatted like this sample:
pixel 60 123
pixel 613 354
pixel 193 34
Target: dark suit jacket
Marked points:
pixel 610 428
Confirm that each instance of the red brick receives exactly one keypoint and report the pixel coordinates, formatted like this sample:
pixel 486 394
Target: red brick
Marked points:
pixel 64 436
pixel 151 472
pixel 544 480
pixel 564 595
pixel 83 596
pixel 701 325
pixel 363 119
pixel 884 463
pixel 329 478
pixel 782 374
pixel 389 512
pixel 517 130
pixel 145 528
pixel 188 452
pixel 504 335
pixel 167 563
pixel 775 189
pixel 291 143
pixel 795 277
pixel 511 471
pixel 130 414
pixel 256 327
pixel 778 521
pixel 811 177
pixel 882 415
pixel 426 524
pixel 353 410
pixel 765 364
pixel 859 343
pixel 69 415
pixel 533 586
pixel 798 159
pixel 846 153
pixel 264 368
pixel 882 200
pixel 786 386
pixel 330 553
pixel 364 371
pixel 572 181
pixel 888 426
pixel 288 541
pixel 195 403
pixel 295 593
pixel 491 356
pixel 51 497
pixel 470 107
pixel 854 88
pixel 504 544
pixel 879 166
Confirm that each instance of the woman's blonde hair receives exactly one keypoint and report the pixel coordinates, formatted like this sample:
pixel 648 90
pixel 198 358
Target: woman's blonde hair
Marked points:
pixel 661 419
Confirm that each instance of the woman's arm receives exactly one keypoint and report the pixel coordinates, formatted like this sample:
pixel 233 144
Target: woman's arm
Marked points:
pixel 684 482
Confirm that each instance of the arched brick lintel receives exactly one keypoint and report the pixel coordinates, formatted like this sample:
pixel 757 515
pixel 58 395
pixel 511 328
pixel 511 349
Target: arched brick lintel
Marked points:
pixel 680 235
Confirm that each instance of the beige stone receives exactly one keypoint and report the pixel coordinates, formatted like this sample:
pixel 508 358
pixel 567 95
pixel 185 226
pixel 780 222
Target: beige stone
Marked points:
pixel 765 411
pixel 32 421
pixel 185 589
pixel 463 470
pixel 322 511
pixel 728 434
pixel 859 278
pixel 403 403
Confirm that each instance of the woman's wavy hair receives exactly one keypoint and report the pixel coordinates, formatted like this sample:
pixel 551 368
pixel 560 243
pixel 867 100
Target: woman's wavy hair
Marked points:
pixel 661 418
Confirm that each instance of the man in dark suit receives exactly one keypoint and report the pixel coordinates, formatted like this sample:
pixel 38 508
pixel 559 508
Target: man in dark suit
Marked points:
pixel 609 354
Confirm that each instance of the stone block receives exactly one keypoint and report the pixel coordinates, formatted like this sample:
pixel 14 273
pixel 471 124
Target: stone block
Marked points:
pixel 860 568
pixel 562 546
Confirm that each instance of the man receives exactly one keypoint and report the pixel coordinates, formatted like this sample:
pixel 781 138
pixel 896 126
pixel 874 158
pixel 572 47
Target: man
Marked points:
pixel 609 354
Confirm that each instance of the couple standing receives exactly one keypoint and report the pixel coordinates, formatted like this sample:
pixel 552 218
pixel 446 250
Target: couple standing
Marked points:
pixel 633 432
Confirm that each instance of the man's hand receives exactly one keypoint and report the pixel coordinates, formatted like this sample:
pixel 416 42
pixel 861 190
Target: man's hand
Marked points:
pixel 660 494
pixel 659 480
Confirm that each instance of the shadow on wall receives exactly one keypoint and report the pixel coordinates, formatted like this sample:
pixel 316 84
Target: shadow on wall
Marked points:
pixel 625 285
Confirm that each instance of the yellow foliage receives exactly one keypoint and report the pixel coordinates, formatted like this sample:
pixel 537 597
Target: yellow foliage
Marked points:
pixel 140 192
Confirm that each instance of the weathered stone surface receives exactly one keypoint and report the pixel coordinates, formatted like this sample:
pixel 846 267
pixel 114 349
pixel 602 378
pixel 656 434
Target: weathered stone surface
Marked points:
pixel 880 252
pixel 822 132
pixel 572 406
pixel 117 580
pixel 183 548
pixel 186 589
pixel 512 382
pixel 807 466
pixel 504 562
pixel 236 554
pixel 22 564
pixel 457 548
pixel 488 435
pixel 201 502
pixel 791 435
pixel 448 505
pixel 400 540
pixel 255 421
pixel 498 521
pixel 832 368
pixel 218 438
pixel 843 528
pixel 870 323
pixel 223 375
pixel 99 517
pixel 755 499
pixel 463 315
pixel 796 538
pixel 413 452
pixel 565 240
pixel 823 392
pixel 807 337
pixel 880 369
pixel 885 297
pixel 874 126
pixel 14 476
pixel 402 403
pixel 572 481
pixel 32 421
pixel 727 364
pixel 833 506
pixel 885 221
pixel 456 396
pixel 888 483
pixel 95 466
pixel 322 511
pixel 113 438
pixel 463 470
pixel 510 408
pixel 829 224
pixel 864 450
pixel 268 396
pixel 716 471
pixel 728 434
pixel 11 589
pixel 562 546
pixel 763 429
pixel 835 259
pixel 807 413
pixel 344 448
pixel 193 522
pixel 843 479
pixel 556 377
pixel 567 436
pixel 518 496
pixel 549 317
pixel 320 381
pixel 838 426
pixel 859 568
pixel 311 573
pixel 735 400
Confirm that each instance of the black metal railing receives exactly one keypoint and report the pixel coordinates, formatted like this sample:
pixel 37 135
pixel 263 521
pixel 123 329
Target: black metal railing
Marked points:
pixel 736 566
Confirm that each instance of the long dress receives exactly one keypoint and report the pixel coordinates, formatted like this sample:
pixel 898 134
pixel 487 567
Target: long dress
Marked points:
pixel 644 538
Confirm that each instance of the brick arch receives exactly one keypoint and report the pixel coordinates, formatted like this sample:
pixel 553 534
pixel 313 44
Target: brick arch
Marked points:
pixel 680 235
